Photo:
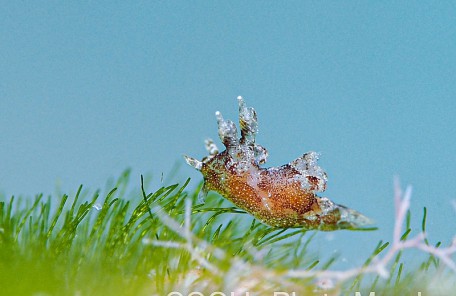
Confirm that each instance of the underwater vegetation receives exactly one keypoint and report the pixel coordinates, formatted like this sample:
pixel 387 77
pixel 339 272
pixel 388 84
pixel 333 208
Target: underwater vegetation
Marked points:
pixel 155 243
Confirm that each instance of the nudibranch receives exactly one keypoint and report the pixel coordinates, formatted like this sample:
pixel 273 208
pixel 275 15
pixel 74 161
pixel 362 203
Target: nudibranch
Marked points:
pixel 284 196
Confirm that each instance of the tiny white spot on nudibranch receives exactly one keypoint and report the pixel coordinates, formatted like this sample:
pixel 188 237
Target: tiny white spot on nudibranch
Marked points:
pixel 265 203
pixel 218 115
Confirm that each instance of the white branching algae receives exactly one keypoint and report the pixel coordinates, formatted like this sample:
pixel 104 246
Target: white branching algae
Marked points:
pixel 284 196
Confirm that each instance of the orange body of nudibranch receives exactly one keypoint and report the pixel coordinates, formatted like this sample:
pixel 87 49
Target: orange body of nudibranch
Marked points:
pixel 282 196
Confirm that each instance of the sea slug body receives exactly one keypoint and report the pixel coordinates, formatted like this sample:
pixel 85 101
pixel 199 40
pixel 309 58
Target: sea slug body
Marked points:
pixel 284 196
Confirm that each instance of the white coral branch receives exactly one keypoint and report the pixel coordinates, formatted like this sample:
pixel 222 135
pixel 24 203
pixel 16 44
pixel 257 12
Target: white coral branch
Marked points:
pixel 196 247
